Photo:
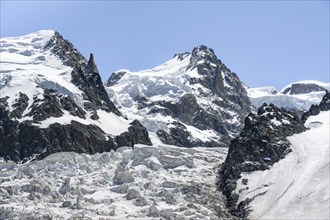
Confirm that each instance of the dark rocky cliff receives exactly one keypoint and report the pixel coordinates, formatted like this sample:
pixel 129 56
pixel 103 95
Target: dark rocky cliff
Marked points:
pixel 302 88
pixel 315 109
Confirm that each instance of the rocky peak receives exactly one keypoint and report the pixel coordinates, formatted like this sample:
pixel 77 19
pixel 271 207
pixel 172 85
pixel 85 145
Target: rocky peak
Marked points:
pixel 113 79
pixel 65 50
pixel 91 64
pixel 202 56
pixel 84 75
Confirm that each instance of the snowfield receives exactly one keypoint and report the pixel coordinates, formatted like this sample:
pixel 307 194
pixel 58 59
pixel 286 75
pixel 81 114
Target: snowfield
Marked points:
pixel 147 182
pixel 297 187
pixel 302 101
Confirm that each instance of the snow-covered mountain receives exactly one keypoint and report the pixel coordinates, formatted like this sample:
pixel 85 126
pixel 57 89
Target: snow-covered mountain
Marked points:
pixel 298 96
pixel 190 100
pixel 52 99
pixel 278 169
pixel 55 108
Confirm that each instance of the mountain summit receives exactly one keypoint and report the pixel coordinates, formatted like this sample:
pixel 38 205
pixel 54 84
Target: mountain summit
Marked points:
pixel 191 100
pixel 52 99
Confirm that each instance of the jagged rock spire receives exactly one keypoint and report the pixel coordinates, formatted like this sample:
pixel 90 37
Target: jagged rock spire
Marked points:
pixel 91 64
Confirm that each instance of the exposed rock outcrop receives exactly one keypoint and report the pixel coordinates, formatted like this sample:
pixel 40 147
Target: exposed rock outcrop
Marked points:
pixel 315 109
pixel 301 88
pixel 21 141
pixel 261 143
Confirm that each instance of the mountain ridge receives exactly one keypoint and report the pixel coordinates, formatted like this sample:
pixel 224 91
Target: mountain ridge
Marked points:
pixel 49 90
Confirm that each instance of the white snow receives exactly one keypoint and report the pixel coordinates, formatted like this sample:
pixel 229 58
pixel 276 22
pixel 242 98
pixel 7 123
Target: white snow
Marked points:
pixel 261 91
pixel 110 123
pixel 261 95
pixel 27 67
pixel 297 187
pixel 178 180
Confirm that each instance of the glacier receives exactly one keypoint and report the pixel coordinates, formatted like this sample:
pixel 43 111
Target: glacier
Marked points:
pixel 144 182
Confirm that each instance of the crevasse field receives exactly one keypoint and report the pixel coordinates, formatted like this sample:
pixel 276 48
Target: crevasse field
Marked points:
pixel 146 182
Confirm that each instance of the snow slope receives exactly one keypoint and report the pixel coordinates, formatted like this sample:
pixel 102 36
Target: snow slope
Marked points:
pixel 297 187
pixel 27 66
pixel 301 101
pixel 147 182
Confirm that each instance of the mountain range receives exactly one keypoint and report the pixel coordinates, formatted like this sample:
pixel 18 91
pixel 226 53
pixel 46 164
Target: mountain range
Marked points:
pixel 183 140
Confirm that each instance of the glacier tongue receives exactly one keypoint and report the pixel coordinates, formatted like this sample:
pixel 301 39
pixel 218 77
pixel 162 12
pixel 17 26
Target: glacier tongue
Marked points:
pixel 159 181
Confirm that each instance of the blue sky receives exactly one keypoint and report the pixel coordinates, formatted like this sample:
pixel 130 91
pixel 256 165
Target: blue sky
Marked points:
pixel 264 42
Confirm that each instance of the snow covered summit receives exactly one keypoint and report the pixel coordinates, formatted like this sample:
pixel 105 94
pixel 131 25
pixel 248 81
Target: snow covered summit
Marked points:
pixel 52 99
pixel 191 100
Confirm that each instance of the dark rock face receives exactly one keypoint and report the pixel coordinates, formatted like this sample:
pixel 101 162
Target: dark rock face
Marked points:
pixel 181 56
pixel 203 59
pixel 315 109
pixel 299 88
pixel 136 134
pixel 21 140
pixel 114 78
pixel 20 105
pixel 189 112
pixel 179 136
pixel 68 104
pixel 49 106
pixel 261 143
pixel 64 50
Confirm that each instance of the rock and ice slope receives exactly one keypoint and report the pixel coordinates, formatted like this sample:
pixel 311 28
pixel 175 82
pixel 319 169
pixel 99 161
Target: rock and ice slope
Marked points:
pixel 261 143
pixel 296 96
pixel 147 182
pixel 190 100
pixel 52 99
pixel 297 187
pixel 278 168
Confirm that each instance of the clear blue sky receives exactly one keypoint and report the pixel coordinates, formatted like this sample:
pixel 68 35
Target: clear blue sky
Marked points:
pixel 264 42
